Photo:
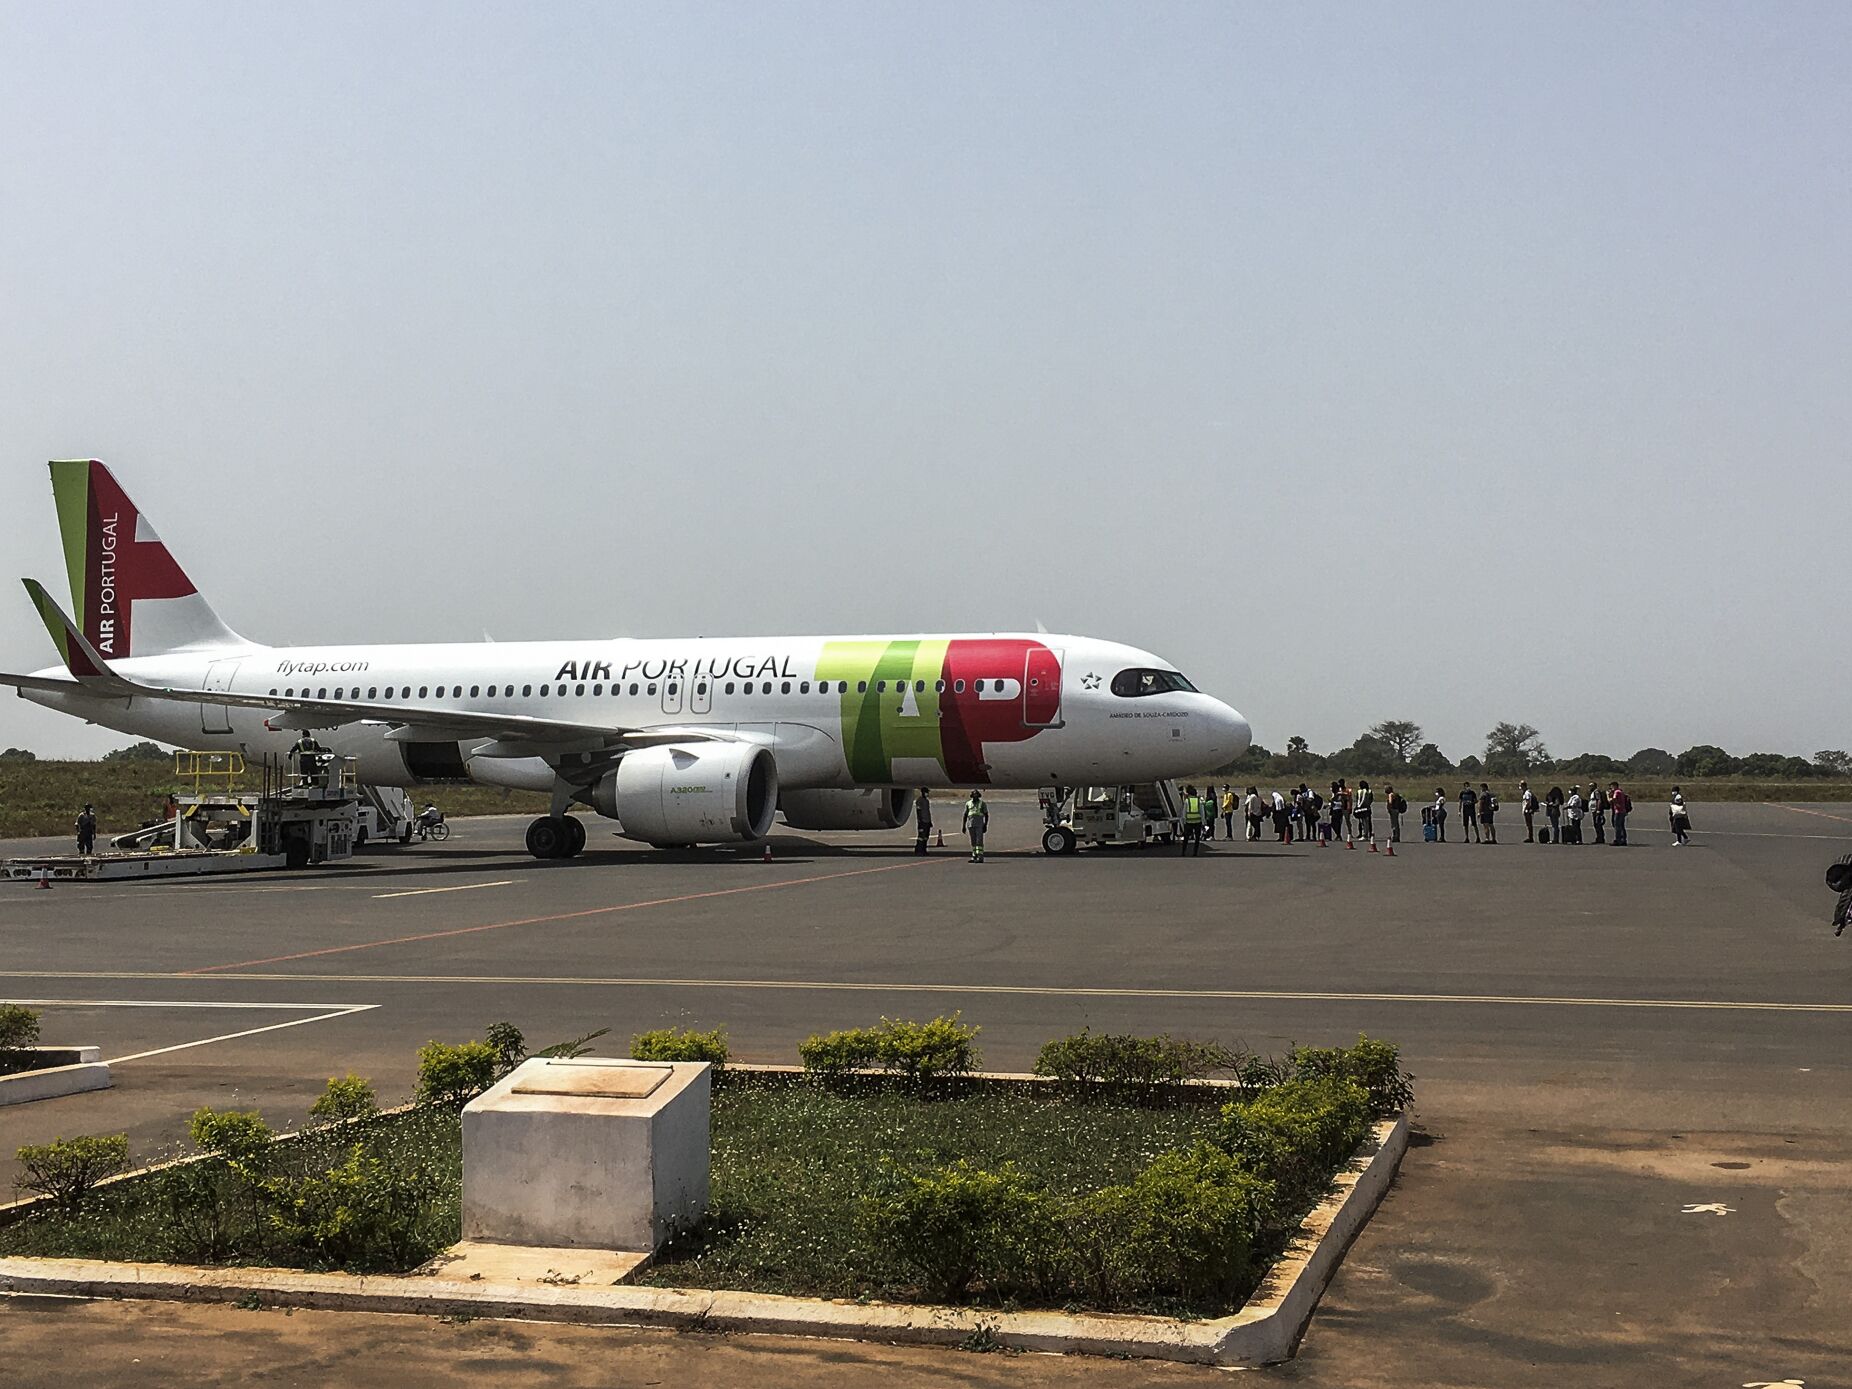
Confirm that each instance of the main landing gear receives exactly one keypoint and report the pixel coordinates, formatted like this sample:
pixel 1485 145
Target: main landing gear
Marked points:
pixel 556 836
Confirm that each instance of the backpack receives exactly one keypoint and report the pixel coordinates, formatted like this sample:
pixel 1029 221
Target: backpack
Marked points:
pixel 1398 804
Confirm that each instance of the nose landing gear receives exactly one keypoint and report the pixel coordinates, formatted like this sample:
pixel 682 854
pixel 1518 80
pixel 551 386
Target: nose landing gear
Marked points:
pixel 556 836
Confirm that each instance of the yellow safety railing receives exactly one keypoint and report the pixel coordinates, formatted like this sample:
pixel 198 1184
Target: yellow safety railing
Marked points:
pixel 209 771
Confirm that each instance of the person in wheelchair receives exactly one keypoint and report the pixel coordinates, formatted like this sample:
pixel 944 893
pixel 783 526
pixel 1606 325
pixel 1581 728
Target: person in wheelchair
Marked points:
pixel 429 819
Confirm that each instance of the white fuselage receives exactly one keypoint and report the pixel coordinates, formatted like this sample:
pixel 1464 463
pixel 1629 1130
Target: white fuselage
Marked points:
pixel 838 712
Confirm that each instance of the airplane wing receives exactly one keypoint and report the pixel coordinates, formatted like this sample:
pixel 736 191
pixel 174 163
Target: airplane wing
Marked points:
pixel 428 722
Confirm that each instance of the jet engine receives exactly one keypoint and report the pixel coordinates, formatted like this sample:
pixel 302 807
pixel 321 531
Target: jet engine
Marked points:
pixel 880 809
pixel 691 793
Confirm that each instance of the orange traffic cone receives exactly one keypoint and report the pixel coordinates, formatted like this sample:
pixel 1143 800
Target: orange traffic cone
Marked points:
pixel 941 843
pixel 766 857
pixel 1349 843
pixel 1389 848
pixel 44 876
pixel 1373 848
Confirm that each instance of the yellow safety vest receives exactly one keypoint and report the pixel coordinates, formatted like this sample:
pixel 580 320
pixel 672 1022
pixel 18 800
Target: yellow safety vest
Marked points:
pixel 1192 810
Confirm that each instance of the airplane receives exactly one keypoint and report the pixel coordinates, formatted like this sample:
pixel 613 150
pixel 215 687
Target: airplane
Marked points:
pixel 681 741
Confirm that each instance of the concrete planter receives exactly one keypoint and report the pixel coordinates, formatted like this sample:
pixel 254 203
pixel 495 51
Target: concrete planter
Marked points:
pixel 1264 1331
pixel 59 1071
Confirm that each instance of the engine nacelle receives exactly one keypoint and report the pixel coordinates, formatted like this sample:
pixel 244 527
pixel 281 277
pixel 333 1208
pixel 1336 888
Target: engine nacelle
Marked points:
pixel 878 809
pixel 691 793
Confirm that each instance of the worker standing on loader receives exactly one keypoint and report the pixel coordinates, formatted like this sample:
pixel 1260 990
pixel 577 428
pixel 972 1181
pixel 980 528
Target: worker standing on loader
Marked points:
pixel 977 820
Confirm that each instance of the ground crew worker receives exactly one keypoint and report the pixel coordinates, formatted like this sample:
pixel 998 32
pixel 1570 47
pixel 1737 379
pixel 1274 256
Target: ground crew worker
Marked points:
pixel 1363 804
pixel 308 756
pixel 1193 809
pixel 86 831
pixel 977 820
pixel 922 820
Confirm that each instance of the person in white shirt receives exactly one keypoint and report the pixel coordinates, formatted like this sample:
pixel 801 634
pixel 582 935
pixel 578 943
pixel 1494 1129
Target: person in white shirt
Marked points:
pixel 1572 812
pixel 1279 817
pixel 1681 819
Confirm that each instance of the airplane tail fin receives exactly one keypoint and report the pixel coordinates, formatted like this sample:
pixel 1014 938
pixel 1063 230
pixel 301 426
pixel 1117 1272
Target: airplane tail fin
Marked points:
pixel 131 597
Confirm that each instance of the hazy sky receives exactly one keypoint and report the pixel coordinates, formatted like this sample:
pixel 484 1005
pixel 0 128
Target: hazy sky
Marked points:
pixel 1457 363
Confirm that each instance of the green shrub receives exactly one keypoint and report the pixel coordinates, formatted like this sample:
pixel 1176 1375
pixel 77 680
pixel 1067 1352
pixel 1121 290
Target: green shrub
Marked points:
pixel 365 1213
pixel 198 1217
pixel 1260 1072
pixel 347 1097
pixel 835 1053
pixel 65 1169
pixel 943 1046
pixel 509 1046
pixel 241 1137
pixel 1372 1064
pixel 19 1027
pixel 954 1224
pixel 578 1046
pixel 1181 1230
pixel 456 1074
pixel 1296 1134
pixel 680 1044
pixel 1120 1061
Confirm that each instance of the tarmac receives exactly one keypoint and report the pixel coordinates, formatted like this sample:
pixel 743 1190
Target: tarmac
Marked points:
pixel 1634 1067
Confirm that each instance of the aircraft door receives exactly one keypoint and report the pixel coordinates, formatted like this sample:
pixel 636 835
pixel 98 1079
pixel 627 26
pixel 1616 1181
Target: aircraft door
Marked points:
pixel 672 694
pixel 216 718
pixel 1041 688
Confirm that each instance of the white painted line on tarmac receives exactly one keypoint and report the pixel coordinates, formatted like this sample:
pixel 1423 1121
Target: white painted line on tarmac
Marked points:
pixel 347 1012
pixel 1007 990
pixel 459 887
pixel 177 1003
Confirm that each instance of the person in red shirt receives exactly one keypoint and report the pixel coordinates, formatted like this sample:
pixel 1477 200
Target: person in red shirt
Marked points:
pixel 1619 804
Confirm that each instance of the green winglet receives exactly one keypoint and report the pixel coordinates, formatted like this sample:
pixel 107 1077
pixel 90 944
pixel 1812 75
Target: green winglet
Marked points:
pixel 80 658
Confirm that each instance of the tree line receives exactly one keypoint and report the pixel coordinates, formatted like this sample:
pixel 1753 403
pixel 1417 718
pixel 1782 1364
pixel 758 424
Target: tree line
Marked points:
pixel 1398 747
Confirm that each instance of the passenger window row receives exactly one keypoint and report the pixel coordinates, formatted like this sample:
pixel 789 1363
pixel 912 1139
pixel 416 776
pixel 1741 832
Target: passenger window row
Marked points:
pixel 376 692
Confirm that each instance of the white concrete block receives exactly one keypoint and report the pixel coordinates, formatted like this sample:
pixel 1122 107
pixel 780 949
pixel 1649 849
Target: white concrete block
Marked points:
pixel 592 1152
pixel 81 1069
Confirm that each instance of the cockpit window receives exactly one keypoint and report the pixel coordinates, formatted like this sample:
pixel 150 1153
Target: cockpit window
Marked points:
pixel 1132 684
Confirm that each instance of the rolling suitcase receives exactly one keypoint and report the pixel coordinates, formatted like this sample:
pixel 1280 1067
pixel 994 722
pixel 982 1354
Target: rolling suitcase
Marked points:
pixel 1428 832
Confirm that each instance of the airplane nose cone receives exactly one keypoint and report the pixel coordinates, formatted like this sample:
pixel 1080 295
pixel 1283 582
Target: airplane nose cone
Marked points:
pixel 1230 731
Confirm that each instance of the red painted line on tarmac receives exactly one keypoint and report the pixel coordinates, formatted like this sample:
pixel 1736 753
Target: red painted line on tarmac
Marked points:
pixel 1798 810
pixel 566 916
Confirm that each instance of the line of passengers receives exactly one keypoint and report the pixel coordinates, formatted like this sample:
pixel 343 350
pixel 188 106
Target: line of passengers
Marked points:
pixel 1349 813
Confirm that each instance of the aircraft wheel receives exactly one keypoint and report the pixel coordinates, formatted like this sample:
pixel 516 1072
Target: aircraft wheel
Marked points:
pixel 575 840
pixel 548 837
pixel 1058 839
